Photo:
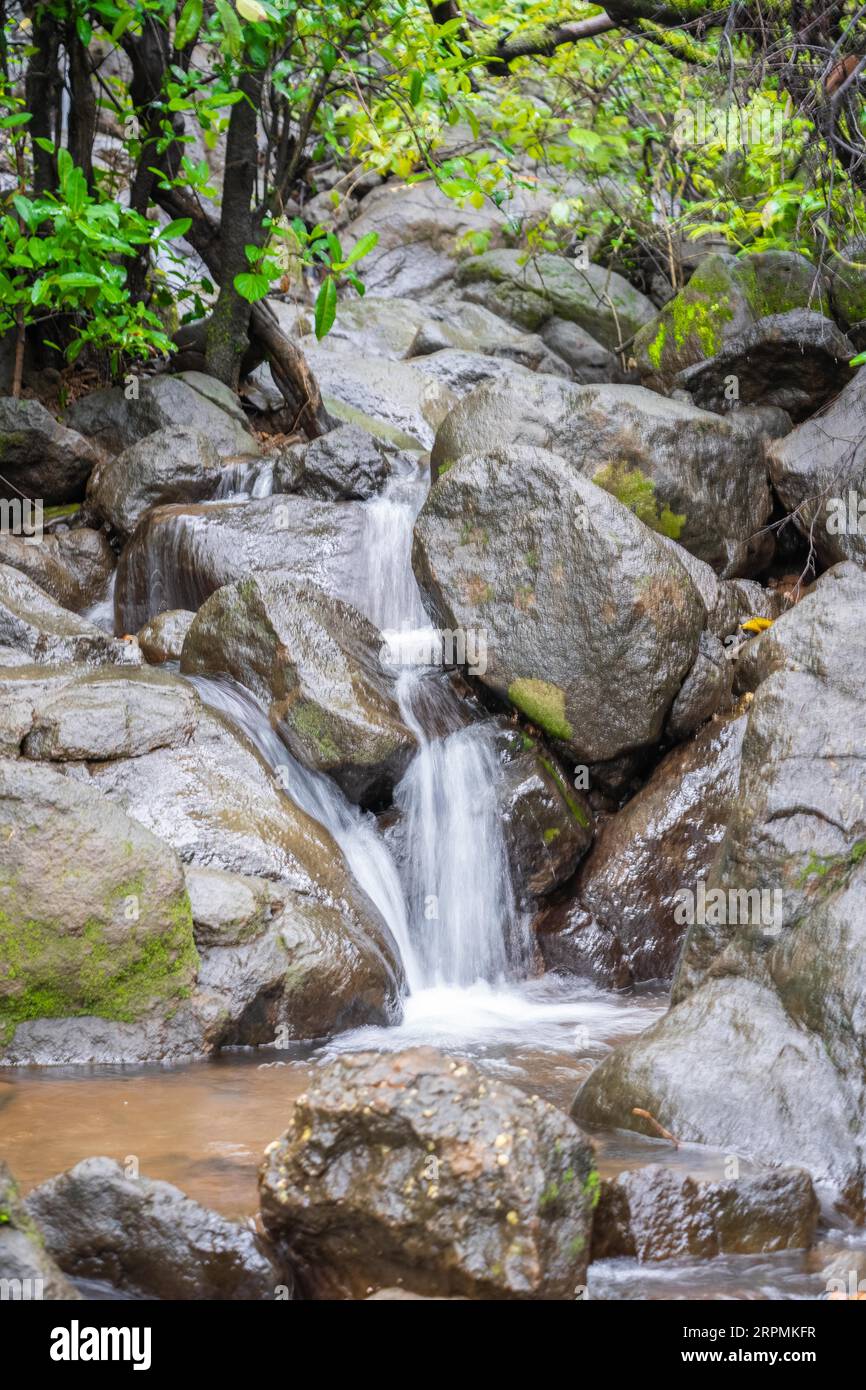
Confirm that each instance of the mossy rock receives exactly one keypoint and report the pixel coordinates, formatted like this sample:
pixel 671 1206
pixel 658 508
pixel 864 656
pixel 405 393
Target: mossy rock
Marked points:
pixel 94 913
pixel 724 297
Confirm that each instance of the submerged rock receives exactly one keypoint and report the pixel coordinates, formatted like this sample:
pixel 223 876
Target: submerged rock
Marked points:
pixel 565 582
pixel 173 464
pixel 27 1271
pixel 147 1239
pixel 654 1213
pixel 39 457
pixel 313 662
pixel 415 1170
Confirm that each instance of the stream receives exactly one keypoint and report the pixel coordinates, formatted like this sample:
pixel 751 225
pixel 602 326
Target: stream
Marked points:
pixel 465 948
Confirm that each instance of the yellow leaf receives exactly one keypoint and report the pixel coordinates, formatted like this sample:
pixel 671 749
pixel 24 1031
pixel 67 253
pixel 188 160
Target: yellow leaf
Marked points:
pixel 756 624
pixel 251 10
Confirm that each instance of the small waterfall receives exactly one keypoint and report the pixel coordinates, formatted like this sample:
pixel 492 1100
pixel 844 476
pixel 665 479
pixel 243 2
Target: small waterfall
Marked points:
pixel 465 922
pixel 354 830
pixel 384 587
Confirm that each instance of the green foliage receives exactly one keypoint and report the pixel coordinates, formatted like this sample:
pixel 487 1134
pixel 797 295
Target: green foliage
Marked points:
pixel 637 492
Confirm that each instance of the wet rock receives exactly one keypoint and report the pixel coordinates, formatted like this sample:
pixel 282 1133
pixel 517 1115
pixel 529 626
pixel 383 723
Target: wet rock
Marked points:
pixel 686 473
pixel 530 292
pixel 415 1170
pixel 546 822
pixel 174 464
pixel 162 638
pixel 729 602
pixel 178 556
pixel 220 806
pixel 34 625
pixel 770 985
pixel 404 404
pixel 461 372
pixel 72 566
pixel 107 930
pixel 313 662
pixel 347 464
pixel 819 473
pixel 654 1213
pixel 589 360
pixel 848 283
pixel 455 323
pixel 666 837
pixel 39 457
pixel 200 402
pixel 796 361
pixel 566 582
pixel 27 1271
pixel 278 965
pixel 705 691
pixel 104 714
pixel 726 295
pixel 148 1239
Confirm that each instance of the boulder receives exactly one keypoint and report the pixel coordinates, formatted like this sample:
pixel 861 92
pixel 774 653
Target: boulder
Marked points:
pixel 178 556
pixel 819 474
pixel 688 474
pixel 173 464
pixel 106 929
pixel 530 290
pixel 664 838
pixel 27 1271
pixel 416 1170
pixel 162 638
pixel 462 371
pixel 654 1213
pixel 34 625
pixel 313 662
pixel 770 985
pixel 348 464
pixel 72 566
pixel 847 272
pixel 589 360
pixel 547 824
pixel 398 403
pixel 200 402
pixel 278 965
pixel 567 584
pixel 725 296
pixel 148 1240
pixel 39 457
pixel 796 361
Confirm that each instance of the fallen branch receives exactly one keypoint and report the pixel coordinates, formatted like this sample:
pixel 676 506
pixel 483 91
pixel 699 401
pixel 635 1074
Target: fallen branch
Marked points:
pixel 660 1129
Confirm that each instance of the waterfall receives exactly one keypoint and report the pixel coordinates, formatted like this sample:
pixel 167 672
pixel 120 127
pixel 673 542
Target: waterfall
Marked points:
pixel 354 830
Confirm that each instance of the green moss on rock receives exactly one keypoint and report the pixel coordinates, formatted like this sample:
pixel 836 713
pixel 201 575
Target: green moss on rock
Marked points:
pixel 637 492
pixel 543 703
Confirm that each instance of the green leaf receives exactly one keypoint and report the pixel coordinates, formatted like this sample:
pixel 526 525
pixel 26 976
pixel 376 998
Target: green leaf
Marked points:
pixel 362 248
pixel 78 280
pixel 326 308
pixel 189 24
pixel 251 287
pixel 858 361
pixel 416 87
pixel 179 227
pixel 329 57
pixel 20 118
pixel 231 28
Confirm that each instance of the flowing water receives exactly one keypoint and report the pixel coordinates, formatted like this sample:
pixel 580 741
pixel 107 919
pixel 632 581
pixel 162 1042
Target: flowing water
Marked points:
pixel 450 907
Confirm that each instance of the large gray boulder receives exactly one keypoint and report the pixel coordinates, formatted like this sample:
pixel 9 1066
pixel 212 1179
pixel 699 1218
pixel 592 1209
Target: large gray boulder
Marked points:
pixel 37 628
pixel 147 1239
pixel 115 421
pixel 106 928
pixel 173 464
pixel 39 457
pixel 530 290
pixel 313 662
pixel 770 988
pixel 73 566
pixel 819 473
pixel 591 623
pixel 179 555
pixel 665 836
pixel 416 1170
pixel 687 473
